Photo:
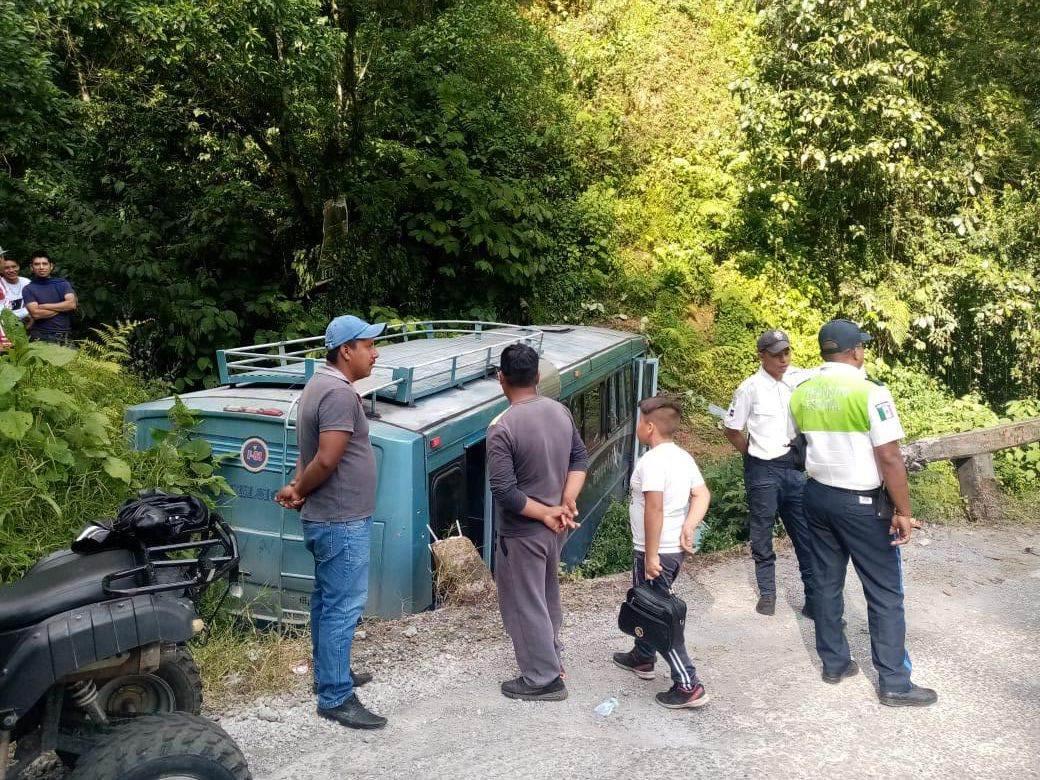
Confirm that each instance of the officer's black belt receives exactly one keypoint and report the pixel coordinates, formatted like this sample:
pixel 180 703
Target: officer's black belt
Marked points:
pixel 787 461
pixel 873 492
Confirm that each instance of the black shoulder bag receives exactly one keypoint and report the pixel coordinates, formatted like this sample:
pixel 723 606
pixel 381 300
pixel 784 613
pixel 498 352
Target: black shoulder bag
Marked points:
pixel 654 615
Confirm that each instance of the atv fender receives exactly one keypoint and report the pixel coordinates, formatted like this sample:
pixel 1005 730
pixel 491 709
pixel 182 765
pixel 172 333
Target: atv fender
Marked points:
pixel 33 658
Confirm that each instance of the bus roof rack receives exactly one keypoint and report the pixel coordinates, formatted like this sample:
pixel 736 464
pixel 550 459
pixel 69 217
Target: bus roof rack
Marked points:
pixel 416 359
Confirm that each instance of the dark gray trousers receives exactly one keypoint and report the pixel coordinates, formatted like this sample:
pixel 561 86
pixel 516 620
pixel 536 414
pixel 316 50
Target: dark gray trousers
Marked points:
pixel 527 576
pixel 683 671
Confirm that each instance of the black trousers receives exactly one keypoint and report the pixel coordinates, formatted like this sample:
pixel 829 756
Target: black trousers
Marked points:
pixel 684 673
pixel 844 525
pixel 776 488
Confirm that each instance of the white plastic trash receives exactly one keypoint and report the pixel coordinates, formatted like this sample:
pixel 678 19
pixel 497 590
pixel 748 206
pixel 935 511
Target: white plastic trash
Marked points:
pixel 605 708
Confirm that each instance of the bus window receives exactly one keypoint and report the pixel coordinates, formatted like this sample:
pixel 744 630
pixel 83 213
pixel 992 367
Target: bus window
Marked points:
pixel 628 396
pixel 447 498
pixel 614 409
pixel 574 404
pixel 592 424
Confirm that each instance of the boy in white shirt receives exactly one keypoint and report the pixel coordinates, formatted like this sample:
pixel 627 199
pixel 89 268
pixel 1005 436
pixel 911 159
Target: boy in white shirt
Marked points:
pixel 668 501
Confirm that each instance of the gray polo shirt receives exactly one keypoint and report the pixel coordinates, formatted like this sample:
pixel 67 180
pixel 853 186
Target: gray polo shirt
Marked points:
pixel 330 403
pixel 531 447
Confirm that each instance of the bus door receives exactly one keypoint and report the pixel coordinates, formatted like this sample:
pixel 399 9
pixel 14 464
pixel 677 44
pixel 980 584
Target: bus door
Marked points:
pixel 646 371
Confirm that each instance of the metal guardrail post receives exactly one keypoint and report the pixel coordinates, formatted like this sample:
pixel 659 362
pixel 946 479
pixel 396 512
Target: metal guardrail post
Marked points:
pixel 222 370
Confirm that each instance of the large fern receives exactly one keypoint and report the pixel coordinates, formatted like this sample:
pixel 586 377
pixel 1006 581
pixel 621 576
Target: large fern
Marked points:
pixel 111 343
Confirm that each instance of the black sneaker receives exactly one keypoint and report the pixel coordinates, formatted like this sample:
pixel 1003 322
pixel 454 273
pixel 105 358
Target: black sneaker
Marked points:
pixel 519 689
pixel 679 698
pixel 915 697
pixel 353 714
pixel 644 670
pixel 766 605
pixel 359 679
pixel 850 671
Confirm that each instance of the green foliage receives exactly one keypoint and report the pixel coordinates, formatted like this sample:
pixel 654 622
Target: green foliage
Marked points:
pixel 64 457
pixel 1019 469
pixel 726 524
pixel 611 548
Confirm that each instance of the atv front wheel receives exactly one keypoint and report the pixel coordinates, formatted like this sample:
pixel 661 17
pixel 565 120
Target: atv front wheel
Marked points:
pixel 175 745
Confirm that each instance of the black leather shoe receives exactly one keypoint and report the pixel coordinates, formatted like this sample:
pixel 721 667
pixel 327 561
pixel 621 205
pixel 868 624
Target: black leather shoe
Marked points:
pixel 850 671
pixel 519 689
pixel 766 605
pixel 915 697
pixel 359 679
pixel 353 714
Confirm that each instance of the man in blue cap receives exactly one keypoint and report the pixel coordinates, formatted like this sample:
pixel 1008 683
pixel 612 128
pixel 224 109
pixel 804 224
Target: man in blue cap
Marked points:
pixel 857 501
pixel 335 490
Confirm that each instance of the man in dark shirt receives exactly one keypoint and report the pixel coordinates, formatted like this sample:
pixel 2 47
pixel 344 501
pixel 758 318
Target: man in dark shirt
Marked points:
pixel 335 490
pixel 536 464
pixel 50 301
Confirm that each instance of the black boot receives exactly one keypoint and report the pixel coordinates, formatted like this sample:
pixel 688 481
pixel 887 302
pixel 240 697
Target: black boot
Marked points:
pixel 766 604
pixel 850 671
pixel 353 714
pixel 915 697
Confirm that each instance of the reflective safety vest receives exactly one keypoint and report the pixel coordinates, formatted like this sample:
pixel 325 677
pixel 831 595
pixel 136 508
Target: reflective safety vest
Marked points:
pixel 844 416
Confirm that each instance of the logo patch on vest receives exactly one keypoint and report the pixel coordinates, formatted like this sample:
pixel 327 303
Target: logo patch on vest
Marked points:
pixel 885 411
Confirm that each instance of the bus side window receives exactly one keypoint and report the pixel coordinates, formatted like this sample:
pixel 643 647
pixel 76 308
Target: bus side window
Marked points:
pixel 592 425
pixel 614 407
pixel 447 498
pixel 628 396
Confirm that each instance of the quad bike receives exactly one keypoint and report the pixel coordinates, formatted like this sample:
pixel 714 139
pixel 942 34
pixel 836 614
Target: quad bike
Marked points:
pixel 94 662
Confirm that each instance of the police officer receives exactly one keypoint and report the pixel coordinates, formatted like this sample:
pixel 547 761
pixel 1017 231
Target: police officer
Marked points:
pixel 857 501
pixel 773 475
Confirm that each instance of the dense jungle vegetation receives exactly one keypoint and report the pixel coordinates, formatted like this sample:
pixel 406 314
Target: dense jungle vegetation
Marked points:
pixel 700 169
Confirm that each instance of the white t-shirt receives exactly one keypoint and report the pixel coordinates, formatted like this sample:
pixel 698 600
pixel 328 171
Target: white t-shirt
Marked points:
pixel 760 405
pixel 12 296
pixel 669 469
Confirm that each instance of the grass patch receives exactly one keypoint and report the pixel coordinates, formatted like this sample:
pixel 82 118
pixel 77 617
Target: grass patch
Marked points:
pixel 239 658
pixel 611 548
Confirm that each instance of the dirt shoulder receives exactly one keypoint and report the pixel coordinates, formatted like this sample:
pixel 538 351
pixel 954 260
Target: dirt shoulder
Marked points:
pixel 973 610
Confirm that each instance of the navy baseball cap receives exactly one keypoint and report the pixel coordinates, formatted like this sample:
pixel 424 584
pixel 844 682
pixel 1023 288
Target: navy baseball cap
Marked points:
pixel 840 335
pixel 773 341
pixel 347 328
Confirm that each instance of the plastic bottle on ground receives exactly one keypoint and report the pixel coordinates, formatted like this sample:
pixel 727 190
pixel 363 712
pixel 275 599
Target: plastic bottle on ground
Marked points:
pixel 605 708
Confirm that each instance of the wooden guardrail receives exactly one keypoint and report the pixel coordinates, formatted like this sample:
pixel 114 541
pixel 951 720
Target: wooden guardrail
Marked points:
pixel 972 455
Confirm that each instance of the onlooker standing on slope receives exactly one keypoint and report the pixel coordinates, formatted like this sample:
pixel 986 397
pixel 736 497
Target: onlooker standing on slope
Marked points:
pixel 50 301
pixel 12 287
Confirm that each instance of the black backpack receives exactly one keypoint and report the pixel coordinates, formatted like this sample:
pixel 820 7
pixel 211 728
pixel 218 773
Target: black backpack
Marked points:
pixel 654 615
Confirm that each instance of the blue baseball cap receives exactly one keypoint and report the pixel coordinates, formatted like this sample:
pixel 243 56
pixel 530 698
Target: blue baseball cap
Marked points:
pixel 347 328
pixel 840 335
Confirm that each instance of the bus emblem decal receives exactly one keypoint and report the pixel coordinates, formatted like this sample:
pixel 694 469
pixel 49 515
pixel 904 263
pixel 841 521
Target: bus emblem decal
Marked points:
pixel 254 454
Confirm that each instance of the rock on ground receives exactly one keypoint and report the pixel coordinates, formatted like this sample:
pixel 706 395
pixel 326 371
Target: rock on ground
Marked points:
pixel 973 614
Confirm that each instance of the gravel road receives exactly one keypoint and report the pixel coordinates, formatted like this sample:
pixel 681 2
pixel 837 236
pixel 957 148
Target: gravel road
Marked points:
pixel 973 603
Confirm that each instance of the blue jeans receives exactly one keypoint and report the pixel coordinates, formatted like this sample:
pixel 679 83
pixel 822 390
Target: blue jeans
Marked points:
pixel 341 557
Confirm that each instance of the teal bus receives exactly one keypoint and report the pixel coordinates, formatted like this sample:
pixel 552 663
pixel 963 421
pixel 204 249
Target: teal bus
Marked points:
pixel 430 400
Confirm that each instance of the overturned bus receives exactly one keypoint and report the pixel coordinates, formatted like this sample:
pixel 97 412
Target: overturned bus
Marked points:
pixel 430 400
